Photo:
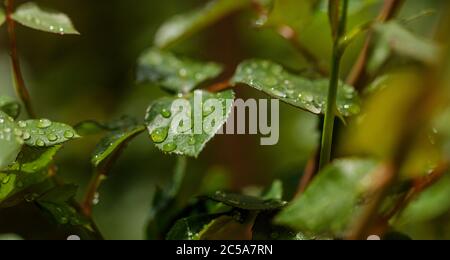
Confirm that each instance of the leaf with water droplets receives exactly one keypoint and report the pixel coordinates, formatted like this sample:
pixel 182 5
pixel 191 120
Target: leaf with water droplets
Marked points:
pixel 56 203
pixel 31 15
pixel 247 202
pixel 184 25
pixel 10 140
pixel 307 94
pixel 113 142
pixel 192 121
pixel 30 168
pixel 174 74
pixel 189 228
pixel 332 200
pixel 10 106
pixel 45 133
pixel 2 16
pixel 265 230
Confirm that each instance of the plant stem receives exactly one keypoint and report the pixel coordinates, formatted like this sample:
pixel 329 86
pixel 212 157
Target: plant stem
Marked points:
pixel 19 85
pixel 330 114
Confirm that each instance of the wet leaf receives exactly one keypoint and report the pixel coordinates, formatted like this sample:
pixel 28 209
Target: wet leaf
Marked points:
pixel 10 106
pixel 184 125
pixel 181 26
pixel 113 142
pixel 190 228
pixel 265 230
pixel 174 74
pixel 10 140
pixel 309 95
pixel 247 202
pixel 331 202
pixel 45 133
pixel 31 15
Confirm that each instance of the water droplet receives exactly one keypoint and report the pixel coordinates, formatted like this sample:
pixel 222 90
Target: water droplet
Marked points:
pixel 96 199
pixel 271 81
pixel 166 113
pixel 191 140
pixel 159 135
pixel 278 93
pixel 52 27
pixel 44 123
pixel 208 110
pixel 69 134
pixel 31 197
pixel 52 137
pixel 169 147
pixel 18 132
pixel 73 237
pixel 40 143
pixel 182 73
pixel 6 179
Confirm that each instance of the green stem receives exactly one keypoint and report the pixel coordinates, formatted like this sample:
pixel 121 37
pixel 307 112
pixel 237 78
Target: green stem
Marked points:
pixel 19 85
pixel 330 114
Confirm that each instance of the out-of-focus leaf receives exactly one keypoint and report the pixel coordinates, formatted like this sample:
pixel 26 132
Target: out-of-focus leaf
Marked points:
pixel 247 202
pixel 442 128
pixel 184 125
pixel 189 228
pixel 10 140
pixel 113 142
pixel 2 16
pixel 430 204
pixel 181 26
pixel 31 15
pixel 376 132
pixel 10 237
pixel 10 106
pixel 405 43
pixel 56 202
pixel 174 74
pixel 45 133
pixel 30 169
pixel 293 13
pixel 331 201
pixel 310 95
pixel 275 191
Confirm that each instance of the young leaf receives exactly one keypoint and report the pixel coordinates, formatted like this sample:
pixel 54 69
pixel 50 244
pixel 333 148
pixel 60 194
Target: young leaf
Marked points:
pixel 10 140
pixel 332 199
pixel 45 133
pixel 185 129
pixel 405 43
pixel 29 169
pixel 247 202
pixel 32 16
pixel 56 203
pixel 181 26
pixel 113 142
pixel 2 16
pixel 190 228
pixel 174 74
pixel 10 106
pixel 309 95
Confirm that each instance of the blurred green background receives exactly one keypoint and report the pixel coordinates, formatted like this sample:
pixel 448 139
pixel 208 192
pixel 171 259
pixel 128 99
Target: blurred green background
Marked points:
pixel 74 78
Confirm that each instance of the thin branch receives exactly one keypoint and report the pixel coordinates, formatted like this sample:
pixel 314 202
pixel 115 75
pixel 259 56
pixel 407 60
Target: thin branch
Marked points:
pixel 389 10
pixel 20 86
pixel 308 174
pixel 220 86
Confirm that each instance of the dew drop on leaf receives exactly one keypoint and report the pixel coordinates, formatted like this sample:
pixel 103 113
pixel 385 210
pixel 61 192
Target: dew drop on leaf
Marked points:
pixel 69 134
pixel 44 123
pixel 159 135
pixel 166 113
pixel 169 147
pixel 52 137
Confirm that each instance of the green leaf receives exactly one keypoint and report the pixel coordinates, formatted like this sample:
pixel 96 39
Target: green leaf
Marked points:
pixel 405 43
pixel 113 142
pixel 275 192
pixel 10 140
pixel 247 202
pixel 293 13
pixel 309 95
pixel 174 74
pixel 2 16
pixel 184 125
pixel 332 199
pixel 189 228
pixel 30 168
pixel 56 203
pixel 91 127
pixel 45 133
pixel 264 230
pixel 182 26
pixel 10 106
pixel 31 15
